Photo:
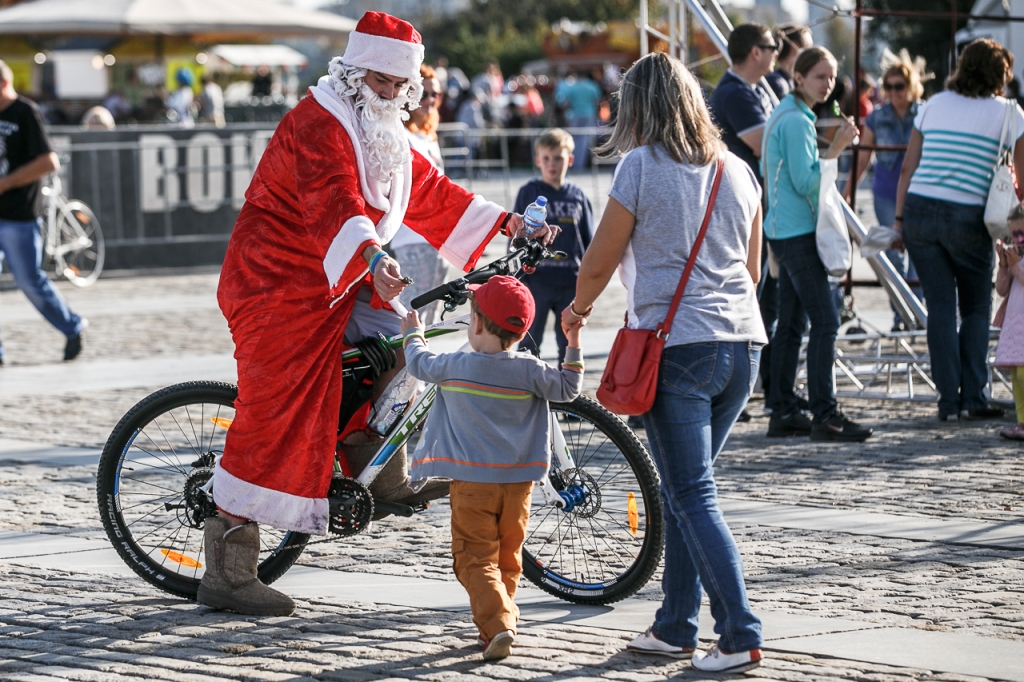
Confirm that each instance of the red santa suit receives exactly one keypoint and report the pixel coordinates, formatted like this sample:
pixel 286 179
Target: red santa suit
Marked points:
pixel 287 289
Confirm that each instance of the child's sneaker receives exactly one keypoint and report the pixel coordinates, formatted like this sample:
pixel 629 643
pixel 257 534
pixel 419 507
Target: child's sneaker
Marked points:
pixel 499 646
pixel 647 643
pixel 1015 432
pixel 717 661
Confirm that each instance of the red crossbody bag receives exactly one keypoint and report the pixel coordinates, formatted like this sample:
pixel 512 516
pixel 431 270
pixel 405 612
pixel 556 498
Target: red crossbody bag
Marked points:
pixel 630 379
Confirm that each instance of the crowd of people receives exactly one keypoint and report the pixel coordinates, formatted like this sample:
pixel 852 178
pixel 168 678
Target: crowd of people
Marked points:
pixel 350 198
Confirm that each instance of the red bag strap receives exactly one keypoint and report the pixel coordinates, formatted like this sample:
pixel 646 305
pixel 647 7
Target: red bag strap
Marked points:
pixel 666 326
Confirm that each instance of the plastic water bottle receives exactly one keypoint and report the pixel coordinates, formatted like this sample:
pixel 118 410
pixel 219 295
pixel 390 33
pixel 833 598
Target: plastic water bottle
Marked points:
pixel 535 215
pixel 394 402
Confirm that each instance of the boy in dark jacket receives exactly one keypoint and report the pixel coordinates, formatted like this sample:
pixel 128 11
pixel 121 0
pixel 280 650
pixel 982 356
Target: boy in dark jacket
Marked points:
pixel 553 285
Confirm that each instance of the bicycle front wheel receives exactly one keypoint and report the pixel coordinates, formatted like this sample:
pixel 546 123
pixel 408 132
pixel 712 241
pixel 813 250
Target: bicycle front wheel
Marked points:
pixel 608 543
pixel 79 251
pixel 151 487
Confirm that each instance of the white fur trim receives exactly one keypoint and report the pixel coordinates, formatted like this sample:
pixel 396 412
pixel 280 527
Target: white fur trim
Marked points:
pixel 387 55
pixel 345 246
pixel 263 505
pixel 471 230
pixel 375 193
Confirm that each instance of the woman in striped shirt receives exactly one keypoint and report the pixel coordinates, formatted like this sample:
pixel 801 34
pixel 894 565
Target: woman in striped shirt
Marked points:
pixel 940 207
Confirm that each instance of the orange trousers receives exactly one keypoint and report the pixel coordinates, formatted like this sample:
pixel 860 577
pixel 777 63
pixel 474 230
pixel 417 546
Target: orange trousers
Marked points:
pixel 488 528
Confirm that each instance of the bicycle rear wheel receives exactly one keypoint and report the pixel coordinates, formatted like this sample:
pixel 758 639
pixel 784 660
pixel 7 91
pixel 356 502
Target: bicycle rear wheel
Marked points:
pixel 149 487
pixel 609 543
pixel 79 251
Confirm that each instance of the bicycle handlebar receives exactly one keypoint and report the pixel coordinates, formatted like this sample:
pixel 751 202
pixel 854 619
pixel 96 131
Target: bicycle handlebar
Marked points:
pixel 527 254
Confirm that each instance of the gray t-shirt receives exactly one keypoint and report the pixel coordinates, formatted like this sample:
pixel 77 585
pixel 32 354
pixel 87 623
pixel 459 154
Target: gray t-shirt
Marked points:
pixel 668 200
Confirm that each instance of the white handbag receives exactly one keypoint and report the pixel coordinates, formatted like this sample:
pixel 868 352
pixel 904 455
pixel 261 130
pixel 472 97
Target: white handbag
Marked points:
pixel 831 232
pixel 1002 197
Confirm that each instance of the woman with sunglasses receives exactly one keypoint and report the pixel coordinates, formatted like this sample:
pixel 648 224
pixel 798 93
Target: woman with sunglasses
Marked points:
pixel 891 124
pixel 419 260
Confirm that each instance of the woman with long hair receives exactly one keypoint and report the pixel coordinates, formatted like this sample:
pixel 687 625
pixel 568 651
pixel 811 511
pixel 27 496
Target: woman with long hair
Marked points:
pixel 940 212
pixel 419 260
pixel 792 178
pixel 655 209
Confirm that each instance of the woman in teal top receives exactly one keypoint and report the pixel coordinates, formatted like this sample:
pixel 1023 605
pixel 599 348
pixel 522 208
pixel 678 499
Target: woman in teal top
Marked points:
pixel 792 178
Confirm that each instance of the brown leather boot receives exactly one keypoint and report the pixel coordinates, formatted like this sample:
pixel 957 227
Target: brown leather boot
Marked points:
pixel 230 582
pixel 393 483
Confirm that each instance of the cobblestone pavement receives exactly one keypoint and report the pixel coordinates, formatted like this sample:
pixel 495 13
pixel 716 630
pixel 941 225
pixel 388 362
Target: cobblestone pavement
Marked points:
pixel 61 626
pixel 57 625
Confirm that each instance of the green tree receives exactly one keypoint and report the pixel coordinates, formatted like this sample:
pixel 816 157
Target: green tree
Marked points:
pixel 511 32
pixel 928 38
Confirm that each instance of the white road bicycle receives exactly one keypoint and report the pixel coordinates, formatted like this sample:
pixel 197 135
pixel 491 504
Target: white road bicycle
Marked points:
pixel 72 239
pixel 596 528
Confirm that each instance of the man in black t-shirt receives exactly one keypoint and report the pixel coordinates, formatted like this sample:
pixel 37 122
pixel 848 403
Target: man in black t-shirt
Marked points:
pixel 792 38
pixel 25 157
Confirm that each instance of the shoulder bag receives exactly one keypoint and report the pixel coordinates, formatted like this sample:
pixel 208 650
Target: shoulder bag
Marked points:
pixel 630 379
pixel 1002 196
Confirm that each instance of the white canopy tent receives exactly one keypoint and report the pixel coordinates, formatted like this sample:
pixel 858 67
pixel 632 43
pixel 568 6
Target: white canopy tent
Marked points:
pixel 255 55
pixel 168 18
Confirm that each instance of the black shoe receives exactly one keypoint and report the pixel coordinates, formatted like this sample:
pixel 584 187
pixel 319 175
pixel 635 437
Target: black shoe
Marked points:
pixel 951 417
pixel 839 428
pixel 984 413
pixel 73 347
pixel 795 424
pixel 744 417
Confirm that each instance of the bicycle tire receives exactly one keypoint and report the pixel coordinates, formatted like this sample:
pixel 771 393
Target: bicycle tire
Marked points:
pixel 81 264
pixel 592 554
pixel 147 469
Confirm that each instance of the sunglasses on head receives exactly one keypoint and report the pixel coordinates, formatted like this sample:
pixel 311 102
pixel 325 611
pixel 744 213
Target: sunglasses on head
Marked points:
pixel 898 87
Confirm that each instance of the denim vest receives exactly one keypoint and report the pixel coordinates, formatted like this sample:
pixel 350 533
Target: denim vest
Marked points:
pixel 890 129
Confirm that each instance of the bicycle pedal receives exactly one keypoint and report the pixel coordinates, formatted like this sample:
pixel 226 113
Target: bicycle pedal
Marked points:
pixel 384 508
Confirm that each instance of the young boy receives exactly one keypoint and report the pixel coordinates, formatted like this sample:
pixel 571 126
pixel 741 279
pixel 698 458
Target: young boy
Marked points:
pixel 553 285
pixel 488 431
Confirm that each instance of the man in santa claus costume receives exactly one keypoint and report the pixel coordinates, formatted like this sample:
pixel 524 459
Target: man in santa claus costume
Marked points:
pixel 305 270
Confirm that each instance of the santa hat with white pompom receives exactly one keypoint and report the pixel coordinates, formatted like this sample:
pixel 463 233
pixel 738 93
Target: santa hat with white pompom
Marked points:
pixel 386 44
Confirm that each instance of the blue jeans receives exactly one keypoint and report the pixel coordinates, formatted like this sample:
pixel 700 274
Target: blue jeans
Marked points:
pixel 548 298
pixel 804 289
pixel 950 244
pixel 702 388
pixel 21 244
pixel 885 212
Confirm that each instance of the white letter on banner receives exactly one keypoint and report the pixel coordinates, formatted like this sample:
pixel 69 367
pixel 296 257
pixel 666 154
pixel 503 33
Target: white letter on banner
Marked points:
pixel 158 171
pixel 241 170
pixel 205 159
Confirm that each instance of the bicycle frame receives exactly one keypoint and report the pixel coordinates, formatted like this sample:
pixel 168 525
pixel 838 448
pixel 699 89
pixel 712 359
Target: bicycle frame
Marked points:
pixel 55 204
pixel 414 417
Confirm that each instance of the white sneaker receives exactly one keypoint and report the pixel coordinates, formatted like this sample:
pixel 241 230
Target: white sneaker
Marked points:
pixel 717 661
pixel 647 643
pixel 499 646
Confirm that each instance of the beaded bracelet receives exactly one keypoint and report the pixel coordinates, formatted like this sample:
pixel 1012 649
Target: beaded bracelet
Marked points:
pixel 376 259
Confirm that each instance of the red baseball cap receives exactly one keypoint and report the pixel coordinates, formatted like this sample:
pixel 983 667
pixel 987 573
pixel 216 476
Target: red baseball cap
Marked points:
pixel 504 298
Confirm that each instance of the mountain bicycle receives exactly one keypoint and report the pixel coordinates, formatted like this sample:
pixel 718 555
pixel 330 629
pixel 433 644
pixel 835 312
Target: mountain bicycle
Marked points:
pixel 72 240
pixel 596 528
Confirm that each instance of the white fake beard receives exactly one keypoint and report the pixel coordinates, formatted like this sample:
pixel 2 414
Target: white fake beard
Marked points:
pixel 382 132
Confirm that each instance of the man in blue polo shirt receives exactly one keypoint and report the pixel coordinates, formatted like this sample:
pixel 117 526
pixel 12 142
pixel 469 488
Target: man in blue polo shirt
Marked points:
pixel 741 105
